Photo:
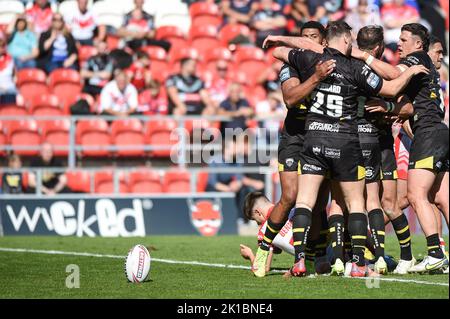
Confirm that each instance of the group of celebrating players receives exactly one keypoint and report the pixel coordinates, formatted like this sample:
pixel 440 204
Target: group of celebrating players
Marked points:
pixel 337 139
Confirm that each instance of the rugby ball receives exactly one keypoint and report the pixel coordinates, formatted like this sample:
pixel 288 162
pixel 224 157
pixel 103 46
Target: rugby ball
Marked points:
pixel 137 264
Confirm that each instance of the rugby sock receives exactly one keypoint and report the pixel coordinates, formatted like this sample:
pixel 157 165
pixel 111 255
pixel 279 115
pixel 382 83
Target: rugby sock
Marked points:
pixel 336 223
pixel 347 245
pixel 376 224
pixel 357 227
pixel 434 249
pixel 310 252
pixel 322 242
pixel 301 223
pixel 401 227
pixel 271 232
pixel 442 244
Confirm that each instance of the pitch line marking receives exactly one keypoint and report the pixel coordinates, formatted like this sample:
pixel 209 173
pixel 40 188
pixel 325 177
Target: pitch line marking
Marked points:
pixel 193 263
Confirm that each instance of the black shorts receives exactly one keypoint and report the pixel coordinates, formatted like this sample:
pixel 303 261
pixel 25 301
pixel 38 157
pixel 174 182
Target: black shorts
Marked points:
pixel 339 155
pixel 289 149
pixel 429 150
pixel 372 161
pixel 388 161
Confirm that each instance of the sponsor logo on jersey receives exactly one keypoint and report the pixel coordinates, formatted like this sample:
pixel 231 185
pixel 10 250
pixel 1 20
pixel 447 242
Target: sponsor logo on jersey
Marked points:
pixel 332 153
pixel 289 162
pixel 316 150
pixel 310 167
pixel 337 75
pixel 365 128
pixel 330 88
pixel 285 74
pixel 373 80
pixel 369 171
pixel 366 153
pixel 317 126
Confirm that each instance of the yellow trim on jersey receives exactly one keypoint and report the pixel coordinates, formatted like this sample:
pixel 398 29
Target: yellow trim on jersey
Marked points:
pixel 401 231
pixel 395 174
pixel 299 168
pixel 280 167
pixel 298 230
pixel 333 244
pixel 271 229
pixel 404 241
pixel 358 246
pixel 433 247
pixel 297 243
pixel 361 172
pixel 332 229
pixel 267 239
pixel 359 237
pixel 380 232
pixel 382 245
pixel 425 163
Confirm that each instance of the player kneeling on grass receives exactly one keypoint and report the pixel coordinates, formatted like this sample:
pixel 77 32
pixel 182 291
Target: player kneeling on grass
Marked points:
pixel 258 208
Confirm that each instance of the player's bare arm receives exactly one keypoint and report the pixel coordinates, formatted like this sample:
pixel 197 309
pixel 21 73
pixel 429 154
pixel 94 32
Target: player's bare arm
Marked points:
pixel 383 69
pixel 294 92
pixel 393 88
pixel 292 42
pixel 402 107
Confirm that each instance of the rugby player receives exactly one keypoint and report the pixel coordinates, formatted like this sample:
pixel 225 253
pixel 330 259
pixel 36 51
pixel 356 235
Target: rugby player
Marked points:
pixel 427 180
pixel 291 142
pixel 331 141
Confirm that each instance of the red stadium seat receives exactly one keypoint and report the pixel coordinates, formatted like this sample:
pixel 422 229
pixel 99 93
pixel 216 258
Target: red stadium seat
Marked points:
pixel 251 60
pixel 93 133
pixel 231 31
pixel 202 182
pixel 177 182
pixel 204 38
pixel 216 54
pixel 79 181
pixel 57 133
pixel 145 182
pixel 203 13
pixel 89 99
pixel 85 52
pixel 2 140
pixel 155 53
pixel 128 132
pixel 13 110
pixel 24 133
pixel 66 85
pixel 32 82
pixel 159 133
pixel 159 62
pixel 183 53
pixel 104 182
pixel 45 104
pixel 174 35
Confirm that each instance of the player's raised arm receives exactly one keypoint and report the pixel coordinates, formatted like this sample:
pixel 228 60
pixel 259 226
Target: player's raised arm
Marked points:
pixel 385 70
pixel 394 87
pixel 292 42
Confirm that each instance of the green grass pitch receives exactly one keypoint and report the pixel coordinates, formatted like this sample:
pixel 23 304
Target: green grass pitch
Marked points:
pixel 36 275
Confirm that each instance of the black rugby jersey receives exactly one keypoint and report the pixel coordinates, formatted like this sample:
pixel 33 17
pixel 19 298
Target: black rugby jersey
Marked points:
pixel 371 125
pixel 424 92
pixel 333 105
pixel 296 115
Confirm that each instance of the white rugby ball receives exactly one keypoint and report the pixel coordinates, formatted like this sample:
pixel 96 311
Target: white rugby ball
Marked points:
pixel 137 264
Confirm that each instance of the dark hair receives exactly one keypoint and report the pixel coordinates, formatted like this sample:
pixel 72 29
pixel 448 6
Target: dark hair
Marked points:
pixel 369 37
pixel 315 25
pixel 142 54
pixel 434 39
pixel 337 29
pixel 183 61
pixel 419 30
pixel 250 201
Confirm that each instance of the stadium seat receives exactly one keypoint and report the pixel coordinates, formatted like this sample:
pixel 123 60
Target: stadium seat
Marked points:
pixel 159 133
pixel 204 38
pixel 128 132
pixel 9 9
pixel 251 60
pixel 93 133
pixel 79 181
pixel 31 82
pixel 85 52
pixel 145 182
pixel 2 140
pixel 109 13
pixel 204 13
pixel 174 35
pixel 216 54
pixel 13 110
pixel 89 99
pixel 24 133
pixel 104 182
pixel 177 182
pixel 180 17
pixel 66 85
pixel 182 53
pixel 202 181
pixel 45 105
pixel 57 133
pixel 159 60
pixel 231 31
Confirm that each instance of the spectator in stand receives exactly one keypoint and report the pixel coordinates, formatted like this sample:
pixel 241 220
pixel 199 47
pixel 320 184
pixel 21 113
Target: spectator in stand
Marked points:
pixel 362 15
pixel 57 47
pixel 153 101
pixel 237 107
pixel 268 20
pixel 237 11
pixel 119 97
pixel 187 93
pixel 138 29
pixel 7 86
pixel 139 72
pixel 266 111
pixel 83 25
pixel 52 183
pixel 295 15
pixel 12 182
pixel 218 88
pixel 97 70
pixel 311 10
pixel 394 14
pixel 40 16
pixel 22 44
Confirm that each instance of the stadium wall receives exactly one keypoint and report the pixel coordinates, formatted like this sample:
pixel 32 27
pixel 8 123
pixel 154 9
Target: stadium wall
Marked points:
pixel 119 216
